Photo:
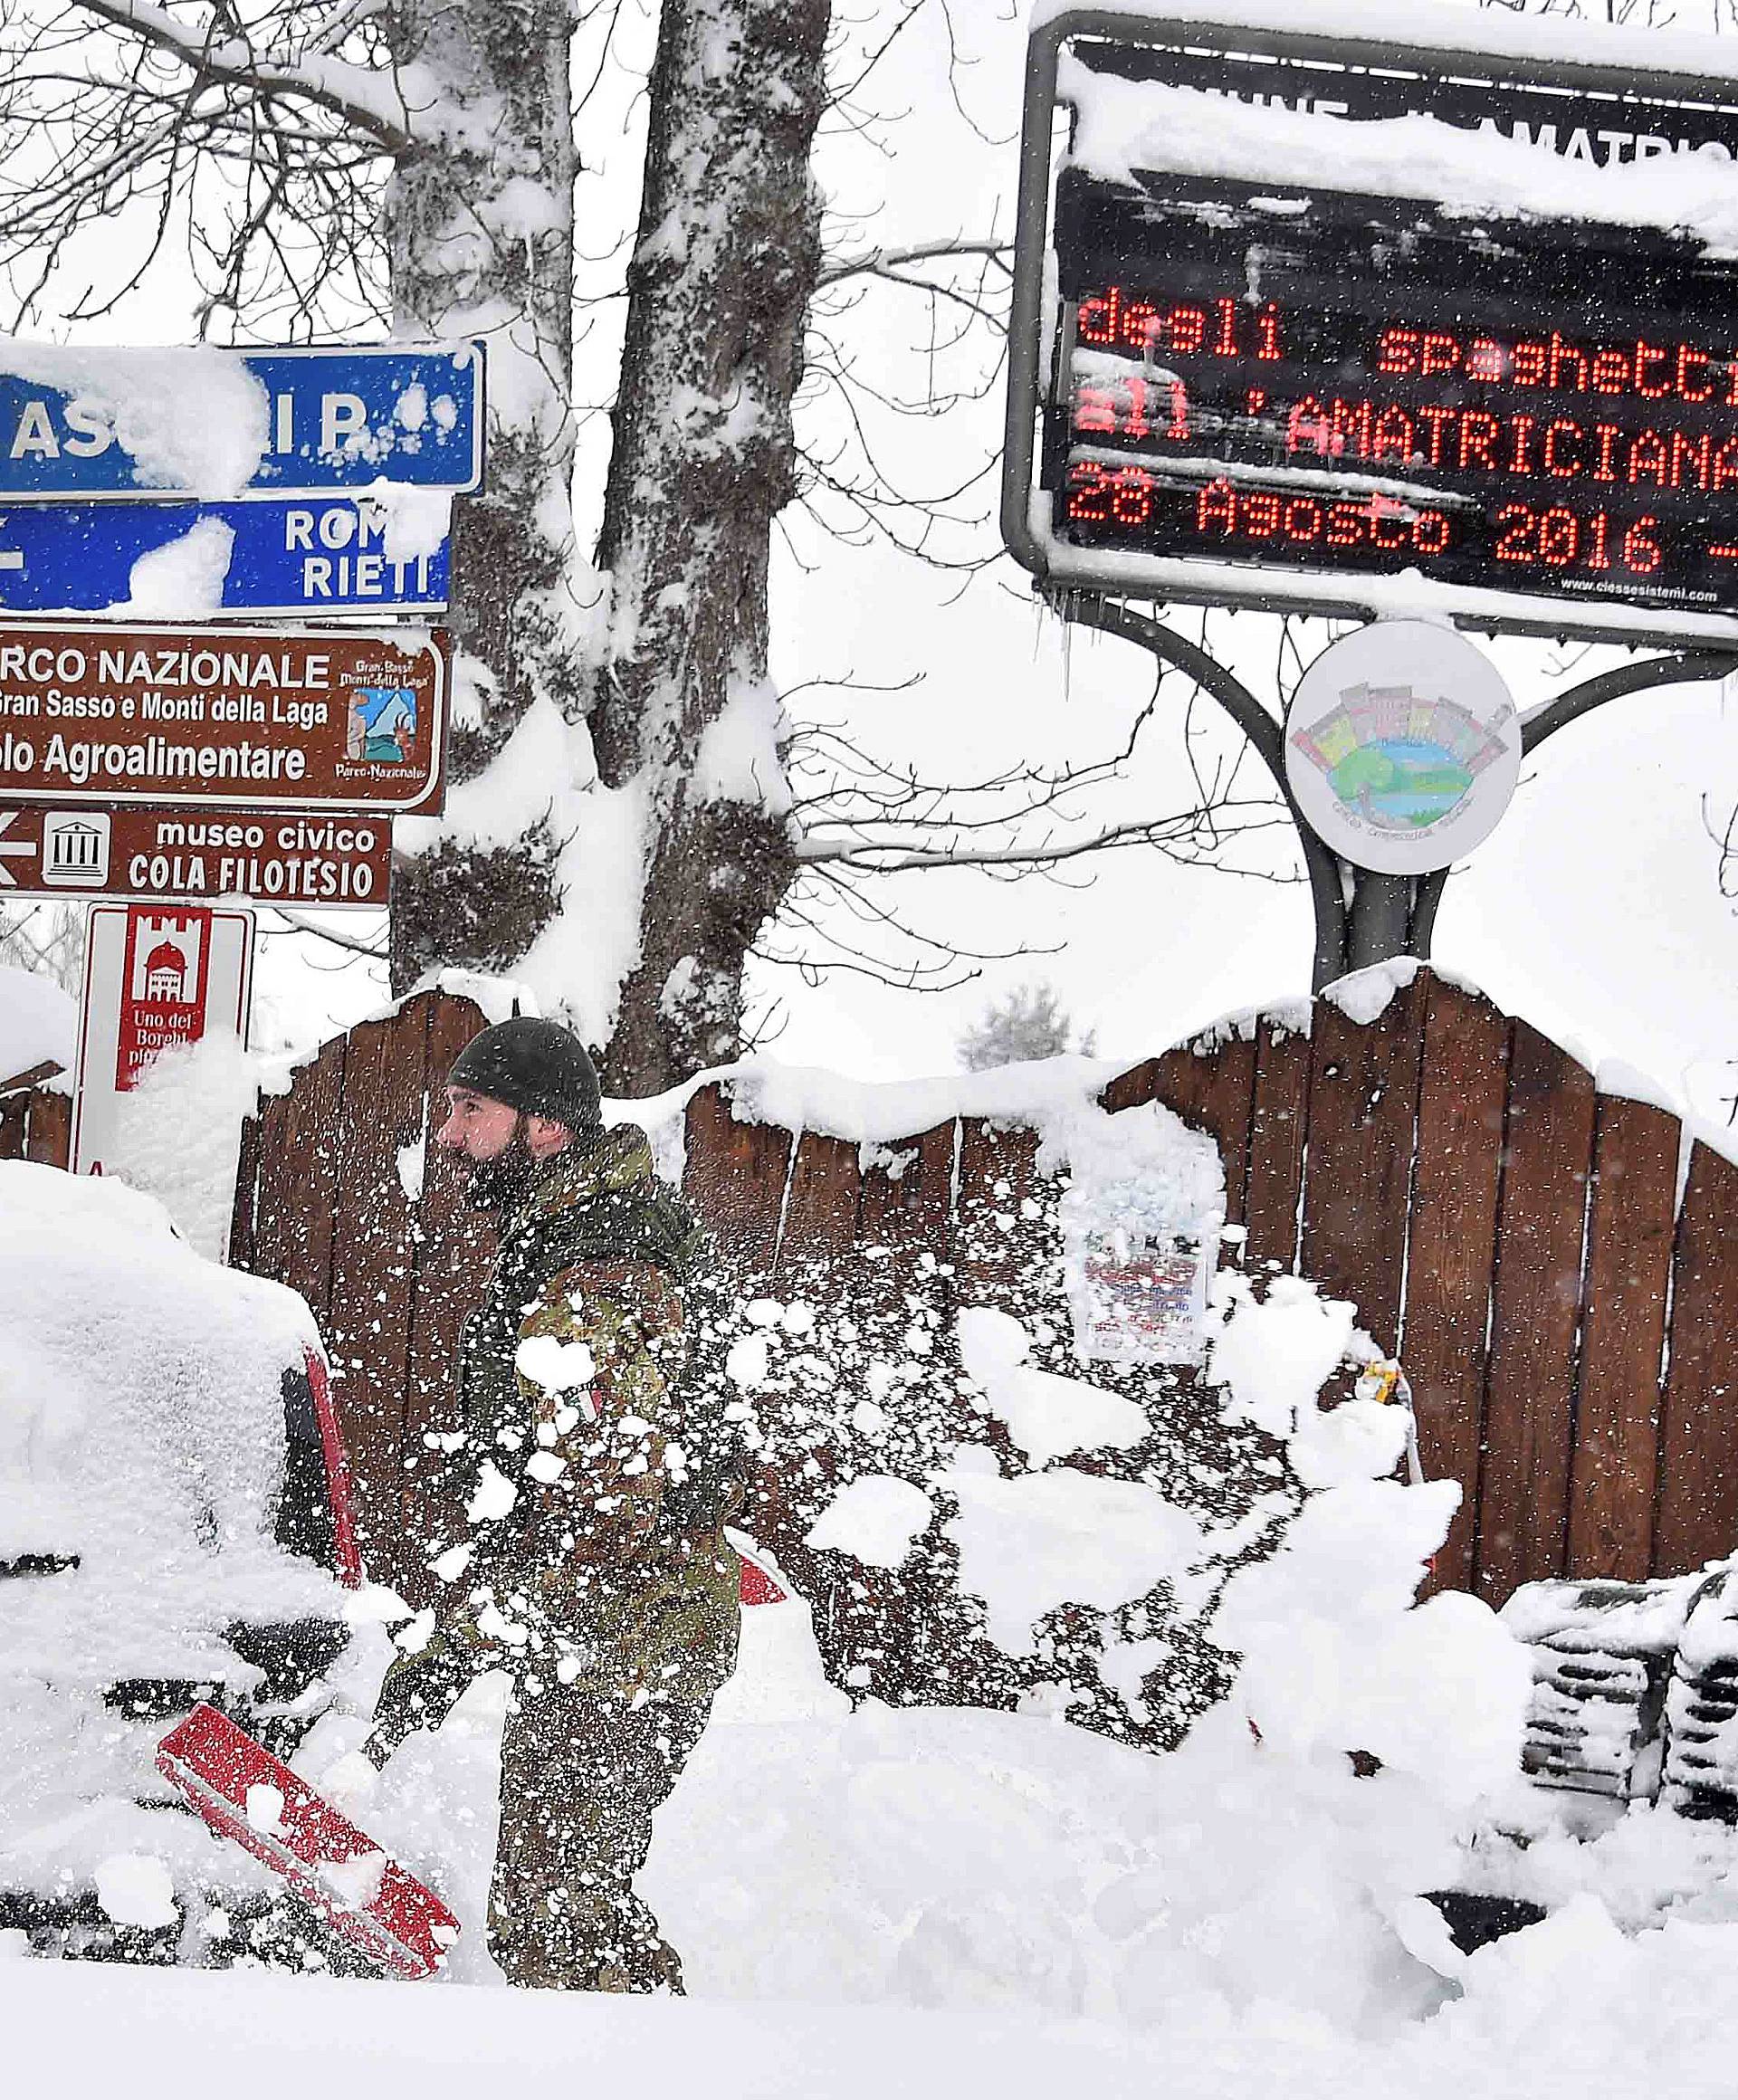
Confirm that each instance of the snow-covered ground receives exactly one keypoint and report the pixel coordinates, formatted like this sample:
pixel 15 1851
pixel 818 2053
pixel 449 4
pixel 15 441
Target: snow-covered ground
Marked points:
pixel 1573 2006
pixel 1572 2009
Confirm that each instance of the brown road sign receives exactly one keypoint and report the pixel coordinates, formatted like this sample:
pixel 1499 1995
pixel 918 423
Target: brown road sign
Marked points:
pixel 310 859
pixel 260 718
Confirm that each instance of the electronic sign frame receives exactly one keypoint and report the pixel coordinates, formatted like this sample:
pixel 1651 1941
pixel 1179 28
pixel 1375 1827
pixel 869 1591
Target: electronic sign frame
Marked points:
pixel 1527 424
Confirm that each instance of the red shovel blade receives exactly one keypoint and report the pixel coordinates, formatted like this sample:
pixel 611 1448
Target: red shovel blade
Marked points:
pixel 370 1899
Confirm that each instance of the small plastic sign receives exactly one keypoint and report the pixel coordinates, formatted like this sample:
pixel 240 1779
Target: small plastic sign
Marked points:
pixel 1402 746
pixel 1140 1300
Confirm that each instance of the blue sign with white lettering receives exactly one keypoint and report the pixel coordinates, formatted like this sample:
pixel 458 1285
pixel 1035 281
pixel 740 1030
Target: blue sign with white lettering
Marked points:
pixel 141 423
pixel 320 556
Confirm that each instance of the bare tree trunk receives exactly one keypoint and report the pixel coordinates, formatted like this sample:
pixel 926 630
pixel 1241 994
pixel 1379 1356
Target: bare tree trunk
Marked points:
pixel 704 458
pixel 481 231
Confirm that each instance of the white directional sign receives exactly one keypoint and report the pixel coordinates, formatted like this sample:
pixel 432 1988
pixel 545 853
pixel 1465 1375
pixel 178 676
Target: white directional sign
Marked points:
pixel 156 976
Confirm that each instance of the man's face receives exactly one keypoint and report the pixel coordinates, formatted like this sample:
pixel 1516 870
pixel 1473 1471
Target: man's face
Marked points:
pixel 476 1127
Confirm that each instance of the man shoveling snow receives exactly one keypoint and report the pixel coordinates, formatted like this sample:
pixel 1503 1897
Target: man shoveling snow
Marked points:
pixel 595 1566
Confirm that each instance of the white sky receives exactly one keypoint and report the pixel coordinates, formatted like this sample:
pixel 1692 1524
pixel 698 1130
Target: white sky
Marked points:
pixel 1594 909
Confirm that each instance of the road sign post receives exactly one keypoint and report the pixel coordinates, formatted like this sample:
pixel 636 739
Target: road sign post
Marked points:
pixel 156 976
pixel 338 719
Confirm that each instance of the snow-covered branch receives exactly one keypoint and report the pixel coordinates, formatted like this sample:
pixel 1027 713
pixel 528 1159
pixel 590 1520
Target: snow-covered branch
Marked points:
pixel 888 261
pixel 909 854
pixel 373 103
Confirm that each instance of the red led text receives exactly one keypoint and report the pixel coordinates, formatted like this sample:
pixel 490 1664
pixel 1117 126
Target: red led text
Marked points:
pixel 1377 521
pixel 1133 407
pixel 1561 538
pixel 1535 447
pixel 1654 371
pixel 1221 328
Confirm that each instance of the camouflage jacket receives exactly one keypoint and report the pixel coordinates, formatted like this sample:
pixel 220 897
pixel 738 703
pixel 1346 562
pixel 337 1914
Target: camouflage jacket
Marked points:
pixel 596 1552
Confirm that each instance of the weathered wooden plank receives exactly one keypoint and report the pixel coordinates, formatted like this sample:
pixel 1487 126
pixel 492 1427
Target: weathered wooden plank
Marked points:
pixel 300 1192
pixel 734 1174
pixel 820 1211
pixel 35 1076
pixel 1452 1252
pixel 242 1208
pixel 1523 1501
pixel 48 1130
pixel 996 1165
pixel 1213 1088
pixel 369 1320
pixel 14 1119
pixel 1631 1220
pixel 266 1242
pixel 1278 1131
pixel 451 1245
pixel 895 1280
pixel 1363 1111
pixel 1699 1501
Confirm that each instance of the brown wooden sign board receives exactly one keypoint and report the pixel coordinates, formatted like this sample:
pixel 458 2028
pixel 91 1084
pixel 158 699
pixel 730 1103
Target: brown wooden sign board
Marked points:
pixel 336 719
pixel 308 860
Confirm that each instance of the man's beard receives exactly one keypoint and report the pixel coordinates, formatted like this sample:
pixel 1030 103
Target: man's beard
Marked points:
pixel 499 1183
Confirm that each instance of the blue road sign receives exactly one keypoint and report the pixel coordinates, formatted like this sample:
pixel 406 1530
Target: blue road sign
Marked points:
pixel 322 556
pixel 326 420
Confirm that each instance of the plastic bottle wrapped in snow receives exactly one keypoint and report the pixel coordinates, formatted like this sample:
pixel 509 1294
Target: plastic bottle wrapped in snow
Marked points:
pixel 1141 1219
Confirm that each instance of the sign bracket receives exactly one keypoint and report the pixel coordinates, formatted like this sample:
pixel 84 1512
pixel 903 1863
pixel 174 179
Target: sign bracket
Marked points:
pixel 1387 915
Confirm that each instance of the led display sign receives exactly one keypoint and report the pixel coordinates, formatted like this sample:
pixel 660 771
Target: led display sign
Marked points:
pixel 1309 389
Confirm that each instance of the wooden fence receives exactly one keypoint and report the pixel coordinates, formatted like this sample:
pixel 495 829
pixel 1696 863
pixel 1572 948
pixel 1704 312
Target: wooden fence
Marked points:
pixel 1561 1286
pixel 35 1122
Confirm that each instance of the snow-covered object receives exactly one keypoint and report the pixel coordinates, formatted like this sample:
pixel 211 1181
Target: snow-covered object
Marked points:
pixel 39 1023
pixel 946 1858
pixel 1123 127
pixel 136 1889
pixel 253 1799
pixel 196 421
pixel 1602 1655
pixel 1145 1197
pixel 142 1452
pixel 1029 1544
pixel 1701 1773
pixel 779 1676
pixel 178 1134
pixel 875 1518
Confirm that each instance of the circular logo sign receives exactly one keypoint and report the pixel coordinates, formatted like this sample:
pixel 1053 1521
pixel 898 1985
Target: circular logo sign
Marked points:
pixel 1402 746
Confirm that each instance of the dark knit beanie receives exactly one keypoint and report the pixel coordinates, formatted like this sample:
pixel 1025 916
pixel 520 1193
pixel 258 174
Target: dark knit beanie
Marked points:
pixel 537 1067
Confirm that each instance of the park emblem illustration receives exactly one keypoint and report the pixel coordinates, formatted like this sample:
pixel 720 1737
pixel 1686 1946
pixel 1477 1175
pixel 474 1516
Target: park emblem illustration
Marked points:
pixel 1398 759
pixel 382 725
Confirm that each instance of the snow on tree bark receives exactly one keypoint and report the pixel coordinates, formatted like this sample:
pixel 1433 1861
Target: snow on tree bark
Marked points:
pixel 728 254
pixel 480 233
pixel 672 674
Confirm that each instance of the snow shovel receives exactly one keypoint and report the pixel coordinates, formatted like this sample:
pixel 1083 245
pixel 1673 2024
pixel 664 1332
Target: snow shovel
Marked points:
pixel 245 1793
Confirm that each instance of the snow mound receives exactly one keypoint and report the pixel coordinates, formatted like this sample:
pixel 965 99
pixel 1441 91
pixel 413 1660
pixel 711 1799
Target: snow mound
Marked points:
pixel 142 1432
pixel 39 1023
